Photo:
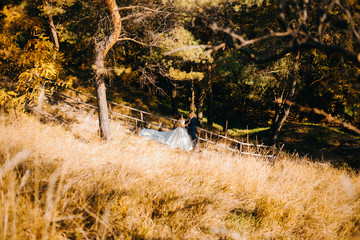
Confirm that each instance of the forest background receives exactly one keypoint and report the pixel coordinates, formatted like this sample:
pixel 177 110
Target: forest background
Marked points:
pixel 280 72
pixel 238 64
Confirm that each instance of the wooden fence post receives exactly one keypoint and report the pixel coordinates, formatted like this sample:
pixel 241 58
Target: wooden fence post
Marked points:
pixel 142 119
pixel 226 128
pixel 110 110
pixel 206 140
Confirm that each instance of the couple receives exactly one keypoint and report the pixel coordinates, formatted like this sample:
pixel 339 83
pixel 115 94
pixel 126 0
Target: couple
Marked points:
pixel 183 137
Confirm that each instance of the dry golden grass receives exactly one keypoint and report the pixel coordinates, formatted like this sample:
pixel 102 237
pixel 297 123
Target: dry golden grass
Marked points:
pixel 61 182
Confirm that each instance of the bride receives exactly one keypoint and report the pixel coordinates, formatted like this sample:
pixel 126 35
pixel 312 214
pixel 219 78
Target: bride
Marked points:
pixel 177 138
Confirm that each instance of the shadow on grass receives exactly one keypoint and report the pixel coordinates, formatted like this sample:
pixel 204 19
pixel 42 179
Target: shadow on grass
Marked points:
pixel 319 143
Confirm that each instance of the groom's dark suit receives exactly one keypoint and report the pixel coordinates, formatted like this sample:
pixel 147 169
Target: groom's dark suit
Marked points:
pixel 192 129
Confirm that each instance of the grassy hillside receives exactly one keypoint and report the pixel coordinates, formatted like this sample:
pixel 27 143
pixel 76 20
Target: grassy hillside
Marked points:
pixel 58 181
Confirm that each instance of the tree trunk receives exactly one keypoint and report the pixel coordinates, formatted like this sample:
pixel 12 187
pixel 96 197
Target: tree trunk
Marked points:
pixel 285 110
pixel 210 112
pixel 101 50
pixel 282 117
pixel 55 36
pixel 103 109
pixel 192 104
pixel 174 102
pixel 200 105
pixel 279 107
pixel 225 114
pixel 200 113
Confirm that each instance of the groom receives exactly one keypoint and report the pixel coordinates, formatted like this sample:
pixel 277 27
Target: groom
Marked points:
pixel 191 127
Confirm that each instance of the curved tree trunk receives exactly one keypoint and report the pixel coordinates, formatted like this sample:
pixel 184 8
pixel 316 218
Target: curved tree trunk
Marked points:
pixel 284 113
pixel 102 48
pixel 55 36
pixel 285 108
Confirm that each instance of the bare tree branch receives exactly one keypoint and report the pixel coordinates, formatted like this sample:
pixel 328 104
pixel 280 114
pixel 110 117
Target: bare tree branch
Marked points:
pixel 244 42
pixel 351 20
pixel 323 18
pixel 136 15
pixel 299 37
pixel 187 48
pixel 282 16
pixel 328 117
pixel 148 78
pixel 146 11
pixel 133 40
pixel 209 48
pixel 139 7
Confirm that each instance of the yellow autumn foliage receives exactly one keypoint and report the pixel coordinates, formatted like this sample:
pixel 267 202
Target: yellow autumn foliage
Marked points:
pixel 183 75
pixel 28 57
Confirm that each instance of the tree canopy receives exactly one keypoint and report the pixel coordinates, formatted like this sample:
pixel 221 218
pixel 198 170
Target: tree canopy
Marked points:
pixel 231 60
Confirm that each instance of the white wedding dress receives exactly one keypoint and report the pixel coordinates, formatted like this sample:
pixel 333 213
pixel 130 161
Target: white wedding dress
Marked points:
pixel 177 138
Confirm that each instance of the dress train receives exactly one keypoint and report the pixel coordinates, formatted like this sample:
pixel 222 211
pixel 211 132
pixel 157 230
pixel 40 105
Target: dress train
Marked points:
pixel 177 138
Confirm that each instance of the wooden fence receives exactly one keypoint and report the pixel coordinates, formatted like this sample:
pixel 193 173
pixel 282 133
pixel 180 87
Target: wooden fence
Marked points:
pixel 205 137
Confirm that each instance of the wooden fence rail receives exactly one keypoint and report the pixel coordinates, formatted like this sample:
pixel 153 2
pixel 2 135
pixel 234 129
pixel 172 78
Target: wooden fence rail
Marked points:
pixel 206 136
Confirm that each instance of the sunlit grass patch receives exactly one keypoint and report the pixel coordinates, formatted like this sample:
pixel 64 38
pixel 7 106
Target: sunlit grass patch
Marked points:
pixel 245 132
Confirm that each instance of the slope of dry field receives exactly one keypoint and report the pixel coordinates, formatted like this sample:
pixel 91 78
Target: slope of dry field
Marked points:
pixel 58 181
